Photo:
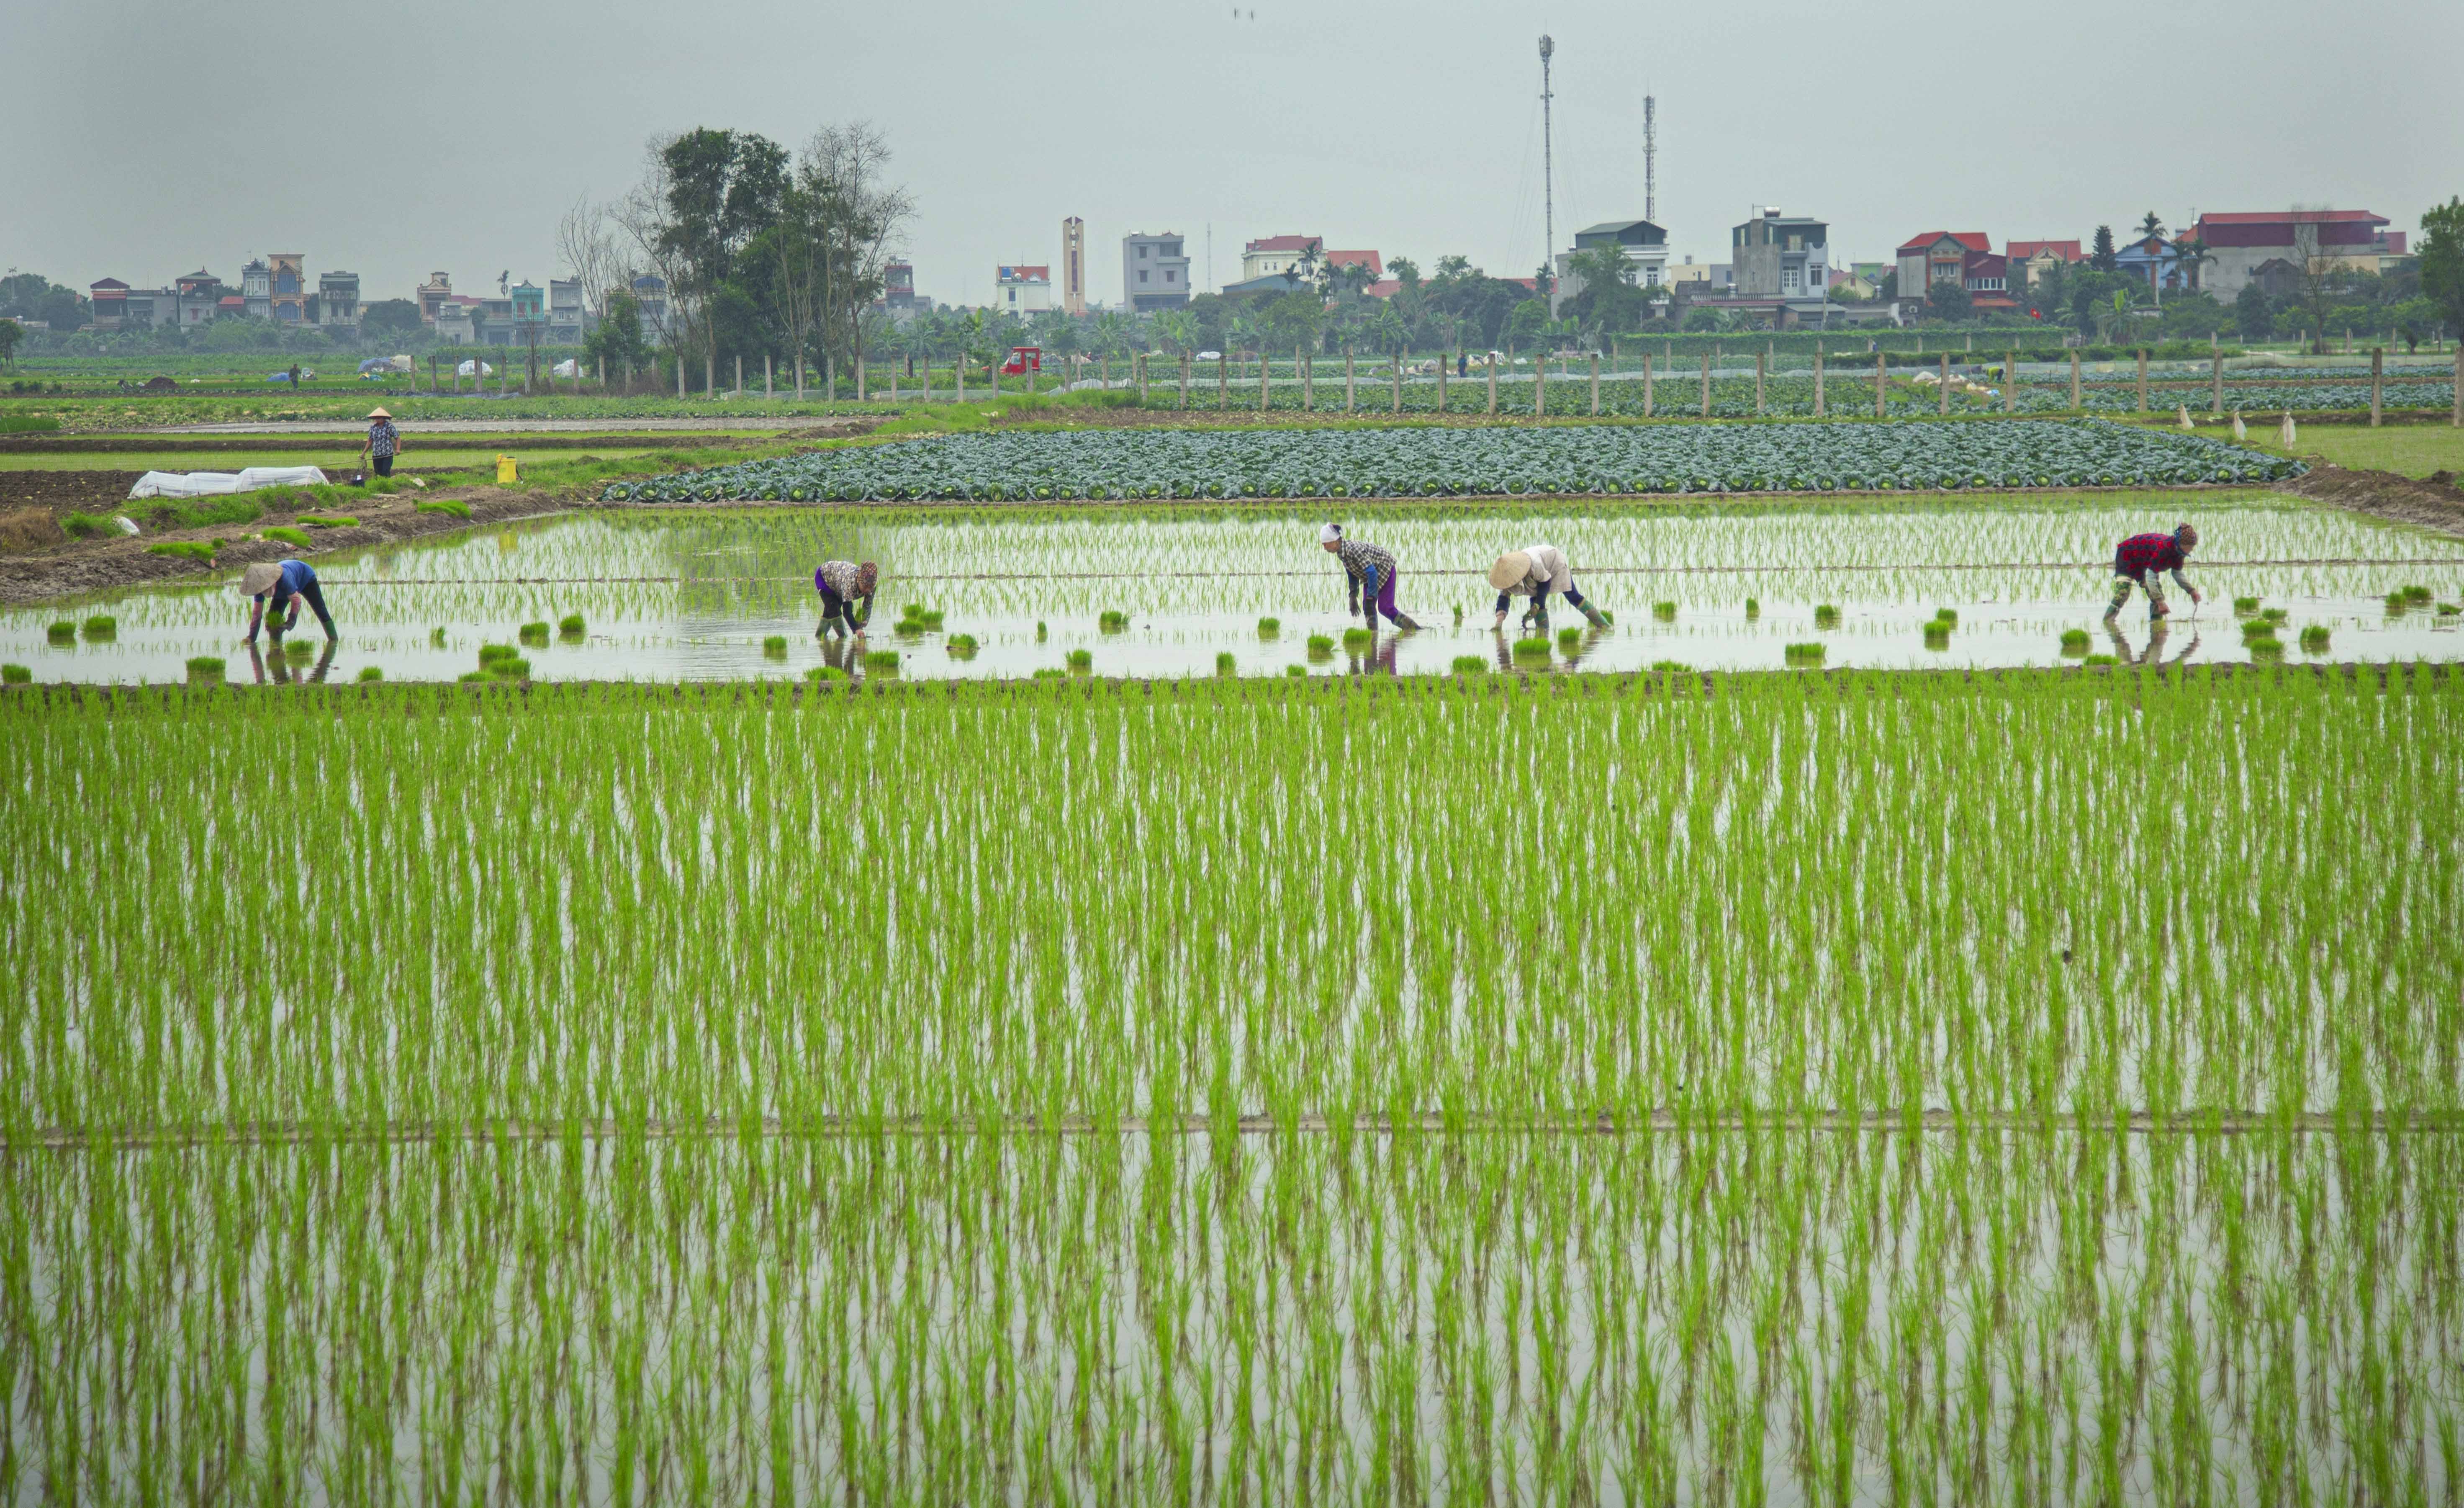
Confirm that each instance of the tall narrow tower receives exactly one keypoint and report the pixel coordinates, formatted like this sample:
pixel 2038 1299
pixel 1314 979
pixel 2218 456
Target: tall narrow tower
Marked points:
pixel 1547 182
pixel 1073 265
pixel 1650 160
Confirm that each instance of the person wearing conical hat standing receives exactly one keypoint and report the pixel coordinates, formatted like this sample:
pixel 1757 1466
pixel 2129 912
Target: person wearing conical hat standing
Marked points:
pixel 1534 571
pixel 384 442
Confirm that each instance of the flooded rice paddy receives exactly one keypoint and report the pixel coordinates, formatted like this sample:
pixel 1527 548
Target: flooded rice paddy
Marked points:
pixel 690 596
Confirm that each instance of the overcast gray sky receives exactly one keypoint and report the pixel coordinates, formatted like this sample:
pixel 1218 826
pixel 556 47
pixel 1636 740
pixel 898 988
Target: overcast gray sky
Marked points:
pixel 146 138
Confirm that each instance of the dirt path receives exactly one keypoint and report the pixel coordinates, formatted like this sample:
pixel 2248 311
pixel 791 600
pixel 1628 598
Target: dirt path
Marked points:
pixel 79 567
pixel 2436 502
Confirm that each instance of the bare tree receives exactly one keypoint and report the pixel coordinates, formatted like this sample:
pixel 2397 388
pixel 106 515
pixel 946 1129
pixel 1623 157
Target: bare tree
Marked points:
pixel 588 243
pixel 644 217
pixel 2318 275
pixel 859 217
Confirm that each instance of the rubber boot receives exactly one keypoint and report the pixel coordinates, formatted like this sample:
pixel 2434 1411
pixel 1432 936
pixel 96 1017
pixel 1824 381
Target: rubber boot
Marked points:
pixel 1403 620
pixel 1593 616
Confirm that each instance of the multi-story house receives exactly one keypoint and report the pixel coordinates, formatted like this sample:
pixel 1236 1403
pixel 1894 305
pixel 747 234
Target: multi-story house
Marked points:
pixel 1154 270
pixel 287 288
pixel 256 290
pixel 1274 254
pixel 433 295
pixel 196 295
pixel 1022 290
pixel 1781 256
pixel 651 294
pixel 568 321
pixel 2029 262
pixel 2238 245
pixel 338 300
pixel 1643 243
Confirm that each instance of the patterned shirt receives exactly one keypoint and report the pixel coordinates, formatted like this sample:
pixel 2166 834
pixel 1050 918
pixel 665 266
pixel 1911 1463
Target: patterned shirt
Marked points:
pixel 383 439
pixel 2141 553
pixel 1358 556
pixel 838 578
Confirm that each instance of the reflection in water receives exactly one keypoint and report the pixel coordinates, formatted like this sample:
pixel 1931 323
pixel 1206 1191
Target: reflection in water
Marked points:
pixel 2154 653
pixel 279 671
pixel 1381 658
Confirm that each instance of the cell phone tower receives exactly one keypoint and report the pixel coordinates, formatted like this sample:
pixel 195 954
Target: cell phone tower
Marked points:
pixel 1547 179
pixel 1650 159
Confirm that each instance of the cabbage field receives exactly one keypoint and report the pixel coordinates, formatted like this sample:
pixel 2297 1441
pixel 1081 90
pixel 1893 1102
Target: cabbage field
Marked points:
pixel 1844 1087
pixel 1432 461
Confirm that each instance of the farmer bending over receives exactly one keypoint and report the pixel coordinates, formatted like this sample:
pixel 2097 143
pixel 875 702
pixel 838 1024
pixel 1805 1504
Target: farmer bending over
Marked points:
pixel 1368 576
pixel 842 584
pixel 291 584
pixel 2138 559
pixel 1534 571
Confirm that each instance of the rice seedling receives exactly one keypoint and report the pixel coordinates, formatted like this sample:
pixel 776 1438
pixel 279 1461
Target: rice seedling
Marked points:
pixel 1469 665
pixel 452 507
pixel 1041 631
pixel 61 630
pixel 1321 647
pixel 1826 617
pixel 1268 628
pixel 185 549
pixel 2100 660
pixel 826 672
pixel 1290 670
pixel 1355 639
pixel 328 521
pixel 1569 638
pixel 1081 660
pixel 1948 618
pixel 774 646
pixel 2417 594
pixel 436 637
pixel 2396 603
pixel 101 626
pixel 205 667
pixel 881 662
pixel 1753 608
pixel 15 674
pixel 2315 637
pixel 1534 647
pixel 490 653
pixel 1048 672
pixel 962 646
pixel 1111 622
pixel 1670 667
pixel 2264 644
pixel 285 534
pixel 1224 663
pixel 2276 614
pixel 297 650
pixel 508 667
pixel 1664 612
pixel 2074 641
pixel 2245 605
pixel 533 633
pixel 371 673
pixel 1810 652
pixel 570 626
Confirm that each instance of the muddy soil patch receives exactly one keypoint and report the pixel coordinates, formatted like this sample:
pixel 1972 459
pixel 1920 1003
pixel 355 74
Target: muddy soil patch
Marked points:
pixel 2433 503
pixel 60 491
pixel 77 568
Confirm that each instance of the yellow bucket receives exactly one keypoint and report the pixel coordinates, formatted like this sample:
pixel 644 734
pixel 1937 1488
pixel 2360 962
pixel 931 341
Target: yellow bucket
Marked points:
pixel 508 471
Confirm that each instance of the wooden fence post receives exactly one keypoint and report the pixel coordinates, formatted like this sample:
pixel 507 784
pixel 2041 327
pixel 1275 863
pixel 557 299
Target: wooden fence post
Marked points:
pixel 1349 405
pixel 1492 382
pixel 1817 380
pixel 1184 379
pixel 2143 379
pixel 1596 385
pixel 1264 378
pixel 1941 397
pixel 1309 386
pixel 739 374
pixel 959 370
pixel 1760 357
pixel 1706 386
pixel 2378 375
pixel 1398 384
pixel 2075 377
pixel 1443 367
pixel 2456 419
pixel 2011 385
pixel 1139 360
pixel 2216 383
pixel 1646 385
pixel 1877 385
pixel 1540 385
pixel 680 373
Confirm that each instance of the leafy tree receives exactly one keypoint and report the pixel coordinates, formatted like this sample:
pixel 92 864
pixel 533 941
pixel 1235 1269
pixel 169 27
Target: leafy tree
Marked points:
pixel 1405 271
pixel 1529 323
pixel 2100 253
pixel 617 345
pixel 2442 262
pixel 10 333
pixel 1608 300
pixel 31 295
pixel 1176 328
pixel 2253 313
pixel 1948 301
pixel 2415 321
pixel 1292 321
pixel 389 320
pixel 2195 316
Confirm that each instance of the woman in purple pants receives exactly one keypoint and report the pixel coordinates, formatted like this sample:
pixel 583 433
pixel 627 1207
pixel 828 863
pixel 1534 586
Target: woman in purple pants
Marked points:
pixel 1368 577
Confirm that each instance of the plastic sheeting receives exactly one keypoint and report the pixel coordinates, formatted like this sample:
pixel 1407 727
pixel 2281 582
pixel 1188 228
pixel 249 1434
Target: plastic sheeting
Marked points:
pixel 209 485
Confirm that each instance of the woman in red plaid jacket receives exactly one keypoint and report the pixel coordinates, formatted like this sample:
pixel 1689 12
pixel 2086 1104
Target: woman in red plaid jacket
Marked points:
pixel 2139 558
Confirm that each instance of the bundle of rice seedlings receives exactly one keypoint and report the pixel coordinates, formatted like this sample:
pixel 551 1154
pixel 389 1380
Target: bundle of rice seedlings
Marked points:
pixel 15 674
pixel 371 673
pixel 2245 605
pixel 2315 638
pixel 962 646
pixel 1224 663
pixel 436 637
pixel 1268 628
pixel 297 648
pixel 1320 646
pixel 2100 660
pixel 1358 638
pixel 2074 641
pixel 205 667
pixel 1670 667
pixel 1568 638
pixel 1808 654
pixel 775 647
pixel 283 533
pixel 1535 648
pixel 1082 659
pixel 1754 608
pixel 490 653
pixel 532 633
pixel 1295 670
pixel 571 627
pixel 329 520
pixel 1112 622
pixel 826 672
pixel 1826 617
pixel 1469 665
pixel 101 626
pixel 2417 594
pixel 451 506
pixel 63 631
pixel 184 549
pixel 1664 612
pixel 882 661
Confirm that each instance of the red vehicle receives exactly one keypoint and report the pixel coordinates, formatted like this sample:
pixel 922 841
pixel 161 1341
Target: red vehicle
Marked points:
pixel 1023 358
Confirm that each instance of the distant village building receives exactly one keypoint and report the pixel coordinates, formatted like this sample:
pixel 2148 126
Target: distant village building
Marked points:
pixel 1964 258
pixel 1073 266
pixel 898 285
pixel 1781 256
pixel 1274 254
pixel 651 294
pixel 197 295
pixel 287 288
pixel 2239 244
pixel 338 300
pixel 1154 271
pixel 2029 262
pixel 433 295
pixel 256 291
pixel 1022 290
pixel 568 318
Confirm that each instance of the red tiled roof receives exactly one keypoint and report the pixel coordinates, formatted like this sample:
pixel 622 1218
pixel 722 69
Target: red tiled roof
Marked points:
pixel 1974 240
pixel 1384 288
pixel 1285 243
pixel 1022 273
pixel 1532 283
pixel 108 283
pixel 1376 264
pixel 2021 251
pixel 2296 216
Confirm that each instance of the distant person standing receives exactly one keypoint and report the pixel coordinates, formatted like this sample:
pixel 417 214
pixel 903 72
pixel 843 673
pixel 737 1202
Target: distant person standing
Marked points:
pixel 2136 561
pixel 384 442
pixel 294 376
pixel 291 584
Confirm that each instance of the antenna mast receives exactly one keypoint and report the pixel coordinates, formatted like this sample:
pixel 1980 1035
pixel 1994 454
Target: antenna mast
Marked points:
pixel 1547 181
pixel 1650 160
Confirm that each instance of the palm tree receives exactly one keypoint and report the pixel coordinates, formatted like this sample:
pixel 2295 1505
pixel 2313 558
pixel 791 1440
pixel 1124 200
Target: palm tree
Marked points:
pixel 1241 331
pixel 2151 225
pixel 1176 328
pixel 1110 333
